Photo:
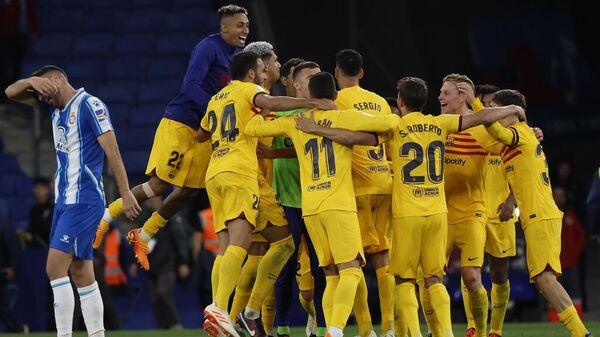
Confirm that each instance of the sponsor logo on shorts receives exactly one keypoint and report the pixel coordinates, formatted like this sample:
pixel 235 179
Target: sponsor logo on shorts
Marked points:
pixel 509 168
pixel 504 251
pixel 65 238
pixel 472 258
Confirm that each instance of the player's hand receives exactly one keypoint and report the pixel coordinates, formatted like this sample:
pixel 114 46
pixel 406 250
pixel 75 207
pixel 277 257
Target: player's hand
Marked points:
pixel 183 271
pixel 324 104
pixel 538 133
pixel 264 151
pixel 130 205
pixel 466 90
pixel 307 123
pixel 43 86
pixel 519 111
pixel 505 209
pixel 265 112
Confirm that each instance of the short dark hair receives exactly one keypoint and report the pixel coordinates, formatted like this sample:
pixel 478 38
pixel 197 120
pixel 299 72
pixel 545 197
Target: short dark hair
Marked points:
pixel 242 63
pixel 322 85
pixel 47 68
pixel 413 92
pixel 230 10
pixel 41 181
pixel 349 61
pixel 288 65
pixel 392 101
pixel 485 89
pixel 508 96
pixel 304 65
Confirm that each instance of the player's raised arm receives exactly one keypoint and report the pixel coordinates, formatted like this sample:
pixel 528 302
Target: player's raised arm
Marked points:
pixel 259 127
pixel 24 90
pixel 488 116
pixel 283 103
pixel 342 136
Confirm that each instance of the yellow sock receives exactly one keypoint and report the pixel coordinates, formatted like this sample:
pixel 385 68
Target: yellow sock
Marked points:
pixel 407 299
pixel 308 305
pixel 361 309
pixel 268 313
pixel 400 327
pixel 440 301
pixel 386 285
pixel 331 283
pixel 153 224
pixel 432 322
pixel 244 285
pixel 465 295
pixel 229 273
pixel 570 319
pixel 214 276
pixel 115 209
pixel 478 300
pixel 500 296
pixel 268 271
pixel 343 299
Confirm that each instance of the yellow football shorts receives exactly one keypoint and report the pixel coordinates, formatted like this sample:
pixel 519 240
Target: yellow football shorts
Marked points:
pixel 303 275
pixel 501 239
pixel 419 240
pixel 232 196
pixel 542 241
pixel 469 236
pixel 335 235
pixel 374 213
pixel 269 207
pixel 177 157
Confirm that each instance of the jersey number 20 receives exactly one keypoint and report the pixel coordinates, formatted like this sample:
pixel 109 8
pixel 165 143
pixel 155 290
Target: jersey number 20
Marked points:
pixel 418 158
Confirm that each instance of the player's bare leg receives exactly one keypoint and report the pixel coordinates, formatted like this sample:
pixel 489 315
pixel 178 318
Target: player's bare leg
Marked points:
pixel 477 298
pixel 150 189
pixel 500 293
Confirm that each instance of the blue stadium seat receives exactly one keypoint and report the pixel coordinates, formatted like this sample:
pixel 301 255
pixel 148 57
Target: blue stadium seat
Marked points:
pixel 147 115
pixel 119 115
pixel 144 21
pixel 136 139
pixel 166 68
pixel 68 4
pixel 9 164
pixel 33 64
pixel 118 92
pixel 85 69
pixel 60 21
pixel 136 161
pixel 189 20
pixel 126 68
pixel 160 92
pixel 155 4
pixel 135 44
pixel 19 208
pixel 204 4
pixel 23 185
pixel 103 22
pixel 52 44
pixel 177 43
pixel 4 208
pixel 110 4
pixel 7 186
pixel 96 45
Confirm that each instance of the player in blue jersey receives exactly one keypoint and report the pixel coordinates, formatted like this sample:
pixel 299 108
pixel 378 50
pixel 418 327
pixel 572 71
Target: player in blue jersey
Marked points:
pixel 177 159
pixel 83 134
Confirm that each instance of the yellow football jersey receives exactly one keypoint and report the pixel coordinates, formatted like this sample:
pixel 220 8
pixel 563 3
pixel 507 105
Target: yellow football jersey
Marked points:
pixel 465 175
pixel 527 171
pixel 325 166
pixel 417 150
pixel 370 170
pixel 227 114
pixel 496 187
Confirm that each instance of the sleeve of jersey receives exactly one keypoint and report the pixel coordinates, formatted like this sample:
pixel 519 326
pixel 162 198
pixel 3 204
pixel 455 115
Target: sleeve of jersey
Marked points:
pixel 486 141
pixel 361 121
pixel 450 123
pixel 507 136
pixel 258 127
pixel 251 90
pixel 198 67
pixel 204 123
pixel 96 115
pixel 477 105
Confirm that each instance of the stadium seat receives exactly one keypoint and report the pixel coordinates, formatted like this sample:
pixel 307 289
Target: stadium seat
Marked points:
pixel 69 4
pixel 118 92
pixel 136 161
pixel 158 91
pixel 85 69
pixel 198 21
pixel 9 164
pixel 61 21
pixel 96 45
pixel 7 186
pixel 110 4
pixel 119 115
pixel 135 44
pixel 23 185
pixel 103 22
pixel 136 139
pixel 204 4
pixel 126 68
pixel 32 64
pixel 177 44
pixel 4 208
pixel 155 4
pixel 19 208
pixel 147 115
pixel 166 68
pixel 144 21
pixel 52 44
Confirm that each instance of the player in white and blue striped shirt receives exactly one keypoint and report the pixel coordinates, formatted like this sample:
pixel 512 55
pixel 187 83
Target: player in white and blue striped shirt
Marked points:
pixel 83 134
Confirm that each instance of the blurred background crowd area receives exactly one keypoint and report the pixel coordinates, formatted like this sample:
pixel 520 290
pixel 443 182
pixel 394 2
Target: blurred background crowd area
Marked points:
pixel 132 54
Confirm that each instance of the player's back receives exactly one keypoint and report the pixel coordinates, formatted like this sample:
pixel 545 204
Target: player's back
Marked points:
pixel 527 172
pixel 417 150
pixel 464 166
pixel 370 170
pixel 228 112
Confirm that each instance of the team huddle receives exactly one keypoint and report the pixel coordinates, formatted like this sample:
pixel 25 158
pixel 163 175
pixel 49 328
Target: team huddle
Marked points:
pixel 320 177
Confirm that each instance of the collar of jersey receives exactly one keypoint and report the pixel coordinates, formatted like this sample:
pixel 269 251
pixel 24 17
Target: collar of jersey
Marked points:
pixel 68 105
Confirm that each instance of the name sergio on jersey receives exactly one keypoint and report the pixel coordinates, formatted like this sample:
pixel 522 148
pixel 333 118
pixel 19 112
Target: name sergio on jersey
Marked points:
pixel 421 128
pixel 367 106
